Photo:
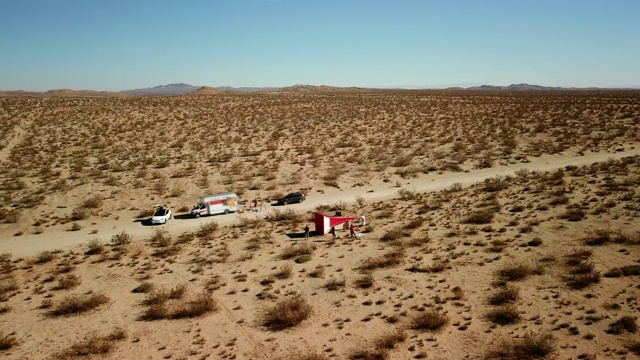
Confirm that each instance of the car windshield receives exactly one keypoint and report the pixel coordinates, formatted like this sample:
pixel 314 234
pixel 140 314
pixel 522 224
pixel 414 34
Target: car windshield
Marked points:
pixel 160 212
pixel 292 195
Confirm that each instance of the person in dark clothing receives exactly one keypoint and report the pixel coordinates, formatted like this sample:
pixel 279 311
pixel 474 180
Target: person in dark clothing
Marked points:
pixel 306 232
pixel 352 230
pixel 333 232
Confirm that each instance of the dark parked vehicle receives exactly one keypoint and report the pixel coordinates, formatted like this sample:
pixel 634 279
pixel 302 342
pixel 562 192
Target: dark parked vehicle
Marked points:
pixel 295 197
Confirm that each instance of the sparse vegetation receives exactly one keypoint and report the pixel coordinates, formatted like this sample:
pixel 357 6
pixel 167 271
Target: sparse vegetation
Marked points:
pixel 286 313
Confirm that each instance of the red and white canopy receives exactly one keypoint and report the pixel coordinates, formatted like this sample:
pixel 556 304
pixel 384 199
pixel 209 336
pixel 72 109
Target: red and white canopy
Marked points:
pixel 324 222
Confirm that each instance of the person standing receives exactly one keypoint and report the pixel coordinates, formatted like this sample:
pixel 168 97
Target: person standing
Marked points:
pixel 333 232
pixel 352 230
pixel 306 232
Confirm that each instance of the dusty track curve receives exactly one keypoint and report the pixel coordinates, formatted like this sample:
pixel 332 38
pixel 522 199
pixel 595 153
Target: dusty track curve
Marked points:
pixel 28 245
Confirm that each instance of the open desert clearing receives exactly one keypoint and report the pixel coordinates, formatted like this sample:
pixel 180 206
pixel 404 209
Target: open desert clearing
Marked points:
pixel 534 265
pixel 499 225
pixel 28 245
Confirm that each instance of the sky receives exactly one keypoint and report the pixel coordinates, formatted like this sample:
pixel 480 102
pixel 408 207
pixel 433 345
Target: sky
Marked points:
pixel 119 45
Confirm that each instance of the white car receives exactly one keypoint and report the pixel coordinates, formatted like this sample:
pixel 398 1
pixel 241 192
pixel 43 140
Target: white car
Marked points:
pixel 161 216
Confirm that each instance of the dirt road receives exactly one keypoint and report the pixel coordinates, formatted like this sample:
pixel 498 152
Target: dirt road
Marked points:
pixel 28 245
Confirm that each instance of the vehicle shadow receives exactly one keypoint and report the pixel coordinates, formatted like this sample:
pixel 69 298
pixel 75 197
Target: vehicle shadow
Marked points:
pixel 183 216
pixel 144 222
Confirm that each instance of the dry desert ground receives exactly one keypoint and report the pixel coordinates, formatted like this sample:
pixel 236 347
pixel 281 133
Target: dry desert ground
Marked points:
pixel 500 225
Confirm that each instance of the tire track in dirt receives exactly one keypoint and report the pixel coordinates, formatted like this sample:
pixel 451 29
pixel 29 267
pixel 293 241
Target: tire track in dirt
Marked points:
pixel 28 245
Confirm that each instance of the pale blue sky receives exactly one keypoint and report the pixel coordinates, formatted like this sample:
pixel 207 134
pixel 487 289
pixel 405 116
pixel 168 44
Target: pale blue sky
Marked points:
pixel 119 45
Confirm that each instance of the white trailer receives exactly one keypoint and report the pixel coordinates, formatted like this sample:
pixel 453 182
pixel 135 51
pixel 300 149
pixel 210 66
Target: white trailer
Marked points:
pixel 224 203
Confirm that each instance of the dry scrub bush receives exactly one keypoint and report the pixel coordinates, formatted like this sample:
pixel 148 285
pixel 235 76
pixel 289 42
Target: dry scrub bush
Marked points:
pixel 76 304
pixel 295 251
pixel 285 313
pixel 390 259
pixel 67 282
pixel 121 239
pixel 368 354
pixel 160 308
pixel 7 341
pixel 365 281
pixel 207 230
pixel 43 257
pixel 430 321
pixel 479 217
pixel 531 346
pixel 334 284
pixel 95 247
pixel 503 315
pixel 92 344
pixel 7 285
pixel 629 270
pixel 507 295
pixel 625 323
pixel 516 272
pixel 389 341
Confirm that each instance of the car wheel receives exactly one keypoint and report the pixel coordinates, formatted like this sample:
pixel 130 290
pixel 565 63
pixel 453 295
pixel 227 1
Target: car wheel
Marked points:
pixel 285 202
pixel 300 201
pixel 226 211
pixel 197 215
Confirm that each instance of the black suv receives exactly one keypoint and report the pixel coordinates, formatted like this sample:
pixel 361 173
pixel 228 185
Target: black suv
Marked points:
pixel 295 197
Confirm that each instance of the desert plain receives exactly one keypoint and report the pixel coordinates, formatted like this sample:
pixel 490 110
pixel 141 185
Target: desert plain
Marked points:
pixel 500 225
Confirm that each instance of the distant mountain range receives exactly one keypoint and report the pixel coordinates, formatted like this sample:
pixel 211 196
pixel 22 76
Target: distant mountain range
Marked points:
pixel 187 89
pixel 182 89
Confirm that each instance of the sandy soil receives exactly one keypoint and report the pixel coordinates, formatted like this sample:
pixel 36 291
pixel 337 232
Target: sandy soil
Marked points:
pixel 501 226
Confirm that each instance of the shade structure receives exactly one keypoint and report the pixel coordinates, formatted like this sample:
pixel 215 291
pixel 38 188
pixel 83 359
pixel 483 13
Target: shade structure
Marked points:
pixel 324 222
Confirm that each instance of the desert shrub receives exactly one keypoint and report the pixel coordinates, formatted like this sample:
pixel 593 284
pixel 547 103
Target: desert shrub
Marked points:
pixel 531 346
pixel 430 321
pixel 573 214
pixel 368 354
pixel 207 229
pixel 44 257
pixel 389 341
pixel 7 285
pixel 92 344
pixel 535 242
pixel 629 270
pixel 284 272
pixel 634 347
pixel 334 284
pixel 318 272
pixel 160 238
pixel 121 239
pixel 286 313
pixel 80 213
pixel 77 304
pixel 364 282
pixel 305 356
pixel 514 272
pixel 146 287
pixel 405 194
pixel 503 315
pixel 145 213
pixel 496 184
pixel 293 251
pixel 390 259
pixel 289 216
pixel 202 304
pixel 625 323
pixel 10 216
pixel 395 234
pixel 67 282
pixel 7 341
pixel 93 202
pixel 581 281
pixel 598 237
pixel 507 295
pixel 479 217
pixel 95 247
